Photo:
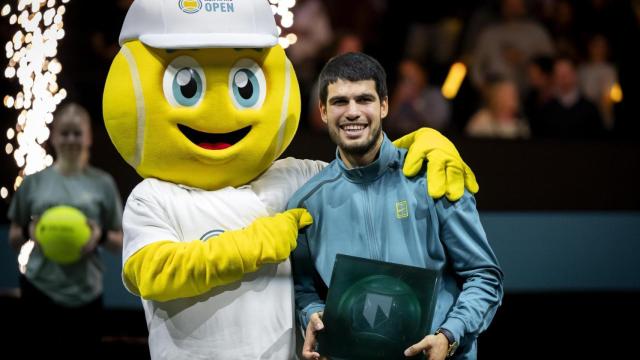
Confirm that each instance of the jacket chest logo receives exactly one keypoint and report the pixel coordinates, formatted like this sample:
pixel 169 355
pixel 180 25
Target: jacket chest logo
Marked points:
pixel 402 209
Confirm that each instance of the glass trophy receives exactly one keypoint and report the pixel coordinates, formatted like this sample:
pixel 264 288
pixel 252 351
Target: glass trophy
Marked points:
pixel 375 309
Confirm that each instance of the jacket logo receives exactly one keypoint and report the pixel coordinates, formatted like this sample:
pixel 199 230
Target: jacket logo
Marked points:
pixel 402 209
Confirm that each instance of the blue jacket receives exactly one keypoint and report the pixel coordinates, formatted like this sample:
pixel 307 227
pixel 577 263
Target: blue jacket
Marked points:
pixel 378 213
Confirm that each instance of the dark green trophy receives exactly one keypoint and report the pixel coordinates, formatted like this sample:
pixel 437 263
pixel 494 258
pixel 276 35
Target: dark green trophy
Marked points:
pixel 375 310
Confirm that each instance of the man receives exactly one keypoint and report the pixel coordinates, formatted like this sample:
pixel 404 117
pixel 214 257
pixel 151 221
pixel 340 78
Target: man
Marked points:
pixel 362 205
pixel 569 114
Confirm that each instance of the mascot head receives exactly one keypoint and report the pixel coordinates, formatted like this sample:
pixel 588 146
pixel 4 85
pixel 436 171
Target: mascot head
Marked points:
pixel 200 93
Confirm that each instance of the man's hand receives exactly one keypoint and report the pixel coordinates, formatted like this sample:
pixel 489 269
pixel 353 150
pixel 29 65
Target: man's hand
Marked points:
pixel 434 347
pixel 447 174
pixel 309 348
pixel 94 238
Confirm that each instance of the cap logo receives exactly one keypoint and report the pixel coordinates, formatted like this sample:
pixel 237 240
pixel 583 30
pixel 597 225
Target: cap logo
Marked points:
pixel 190 6
pixel 193 6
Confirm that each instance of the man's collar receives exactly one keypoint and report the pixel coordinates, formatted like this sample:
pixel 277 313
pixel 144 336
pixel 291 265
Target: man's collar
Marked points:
pixel 386 158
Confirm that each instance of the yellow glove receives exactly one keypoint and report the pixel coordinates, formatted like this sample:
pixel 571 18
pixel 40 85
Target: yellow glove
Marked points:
pixel 168 270
pixel 447 174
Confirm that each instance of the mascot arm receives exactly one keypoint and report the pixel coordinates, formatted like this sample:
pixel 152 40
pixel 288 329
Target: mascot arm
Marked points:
pixel 168 270
pixel 446 174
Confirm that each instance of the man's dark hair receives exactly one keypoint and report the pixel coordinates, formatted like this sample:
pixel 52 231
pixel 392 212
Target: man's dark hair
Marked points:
pixel 352 67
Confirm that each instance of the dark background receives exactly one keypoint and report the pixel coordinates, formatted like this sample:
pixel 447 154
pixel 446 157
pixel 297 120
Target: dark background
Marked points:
pixel 551 309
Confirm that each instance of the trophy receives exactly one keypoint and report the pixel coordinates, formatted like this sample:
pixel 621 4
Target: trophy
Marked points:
pixel 375 309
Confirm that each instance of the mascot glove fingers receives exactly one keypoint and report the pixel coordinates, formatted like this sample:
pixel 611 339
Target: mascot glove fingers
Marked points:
pixel 447 174
pixel 279 234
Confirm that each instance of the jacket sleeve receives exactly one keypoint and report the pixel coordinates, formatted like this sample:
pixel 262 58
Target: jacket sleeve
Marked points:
pixel 308 300
pixel 472 259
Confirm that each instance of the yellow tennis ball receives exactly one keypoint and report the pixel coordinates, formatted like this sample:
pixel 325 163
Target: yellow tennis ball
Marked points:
pixel 61 232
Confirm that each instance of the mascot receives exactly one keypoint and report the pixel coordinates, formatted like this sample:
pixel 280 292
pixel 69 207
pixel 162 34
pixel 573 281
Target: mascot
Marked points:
pixel 201 101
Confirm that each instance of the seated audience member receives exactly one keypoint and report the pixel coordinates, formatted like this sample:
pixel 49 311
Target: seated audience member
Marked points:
pixel 500 118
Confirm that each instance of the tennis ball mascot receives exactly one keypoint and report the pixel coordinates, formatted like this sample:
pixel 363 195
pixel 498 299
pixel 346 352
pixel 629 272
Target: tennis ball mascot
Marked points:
pixel 201 101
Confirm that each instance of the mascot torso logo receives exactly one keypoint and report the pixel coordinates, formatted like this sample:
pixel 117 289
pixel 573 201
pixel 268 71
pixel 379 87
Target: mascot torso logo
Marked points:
pixel 190 6
pixel 211 234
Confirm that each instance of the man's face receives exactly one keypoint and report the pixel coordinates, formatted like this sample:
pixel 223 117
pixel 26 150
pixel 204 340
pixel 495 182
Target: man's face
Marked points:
pixel 353 113
pixel 565 76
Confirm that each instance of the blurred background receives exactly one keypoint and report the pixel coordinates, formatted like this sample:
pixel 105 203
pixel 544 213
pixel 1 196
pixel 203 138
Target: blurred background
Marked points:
pixel 541 97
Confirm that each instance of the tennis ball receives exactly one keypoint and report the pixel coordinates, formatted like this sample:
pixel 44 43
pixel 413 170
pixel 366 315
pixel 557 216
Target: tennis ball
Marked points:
pixel 62 231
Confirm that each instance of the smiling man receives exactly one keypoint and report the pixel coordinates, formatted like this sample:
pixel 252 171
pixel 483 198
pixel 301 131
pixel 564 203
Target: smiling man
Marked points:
pixel 364 206
pixel 353 115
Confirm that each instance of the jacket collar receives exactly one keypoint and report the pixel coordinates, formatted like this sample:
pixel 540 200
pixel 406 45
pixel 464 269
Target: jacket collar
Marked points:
pixel 387 157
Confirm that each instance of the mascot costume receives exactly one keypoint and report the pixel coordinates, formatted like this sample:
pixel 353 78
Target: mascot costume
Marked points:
pixel 201 100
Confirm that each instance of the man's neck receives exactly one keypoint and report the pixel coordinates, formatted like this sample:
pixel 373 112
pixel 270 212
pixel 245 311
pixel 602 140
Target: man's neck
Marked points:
pixel 352 160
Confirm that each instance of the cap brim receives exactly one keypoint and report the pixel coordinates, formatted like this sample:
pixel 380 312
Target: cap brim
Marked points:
pixel 195 41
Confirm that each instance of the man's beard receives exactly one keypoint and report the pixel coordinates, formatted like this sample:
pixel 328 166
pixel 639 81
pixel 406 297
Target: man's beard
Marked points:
pixel 355 149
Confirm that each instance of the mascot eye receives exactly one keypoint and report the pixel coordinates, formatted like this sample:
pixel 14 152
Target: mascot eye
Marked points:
pixel 184 82
pixel 247 84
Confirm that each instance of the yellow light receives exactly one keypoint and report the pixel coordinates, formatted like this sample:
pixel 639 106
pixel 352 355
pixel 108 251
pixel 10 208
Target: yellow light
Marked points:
pixel 5 11
pixel 8 148
pixel 17 183
pixel 282 9
pixel 35 6
pixel 48 17
pixel 615 94
pixel 8 100
pixel 292 38
pixel 4 192
pixel 23 256
pixel 287 20
pixel 10 133
pixel 9 72
pixel 454 79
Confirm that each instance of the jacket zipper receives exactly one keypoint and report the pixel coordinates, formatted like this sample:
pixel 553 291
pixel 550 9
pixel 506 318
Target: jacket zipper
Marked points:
pixel 374 247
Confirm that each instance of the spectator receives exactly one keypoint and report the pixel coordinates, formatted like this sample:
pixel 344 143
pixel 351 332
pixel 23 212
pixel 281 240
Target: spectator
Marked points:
pixel 564 29
pixel 597 77
pixel 569 114
pixel 505 48
pixel 500 118
pixel 541 91
pixel 63 303
pixel 415 103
